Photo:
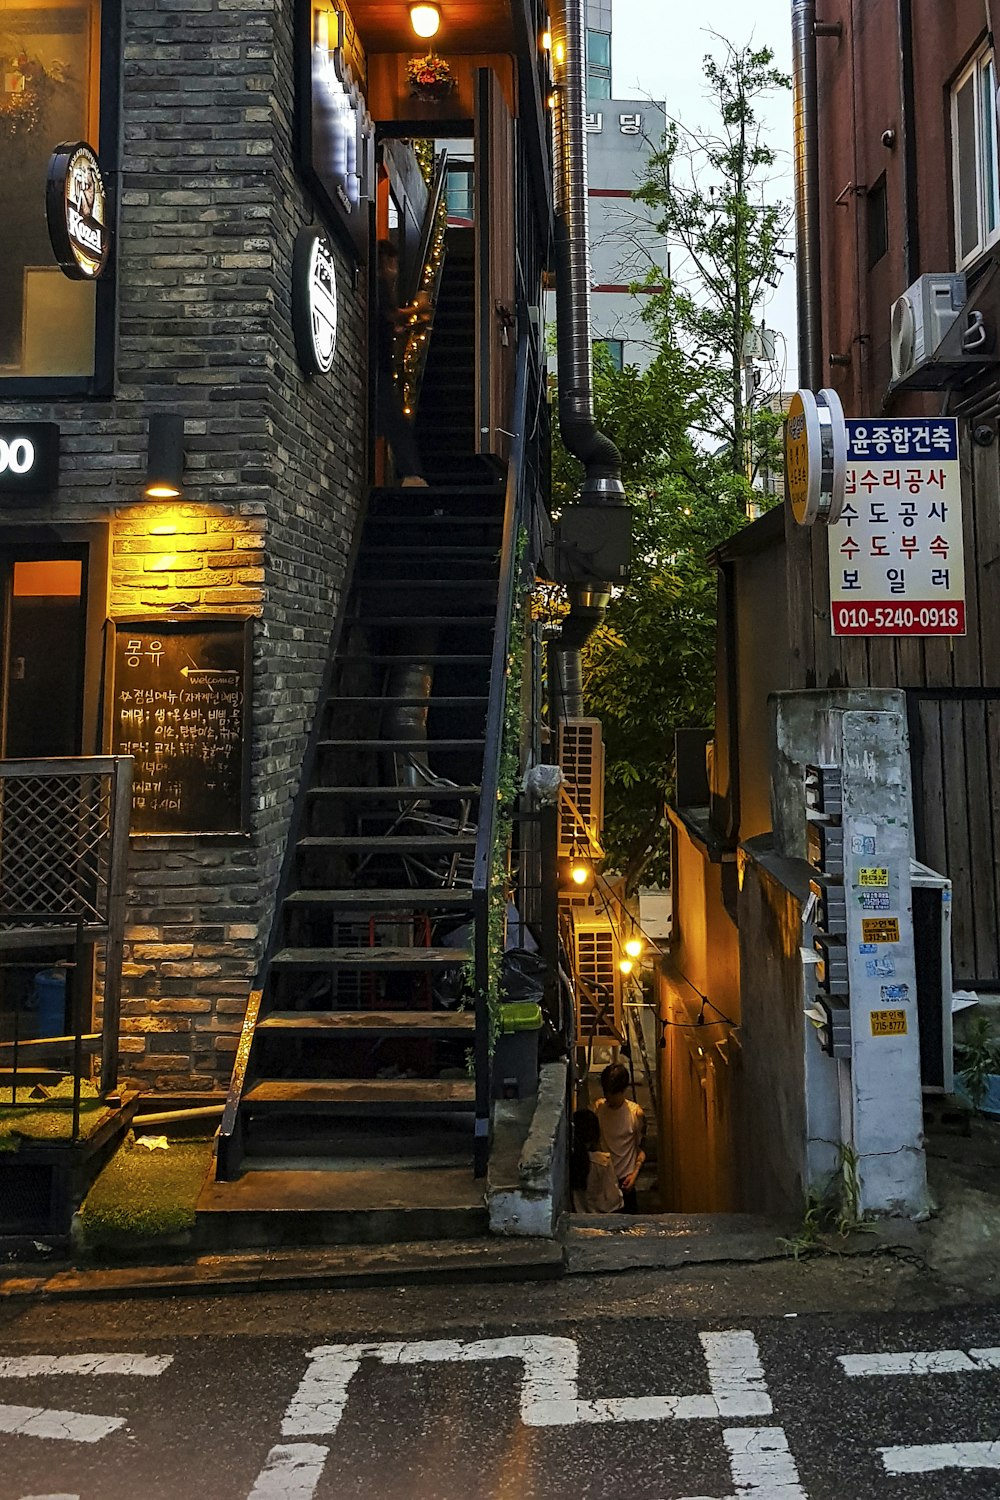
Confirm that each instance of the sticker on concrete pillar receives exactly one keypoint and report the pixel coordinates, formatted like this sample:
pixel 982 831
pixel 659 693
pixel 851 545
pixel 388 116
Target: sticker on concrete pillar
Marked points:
pixel 875 901
pixel 880 929
pixel 873 875
pixel 863 843
pixel 888 1022
pixel 880 968
pixel 894 992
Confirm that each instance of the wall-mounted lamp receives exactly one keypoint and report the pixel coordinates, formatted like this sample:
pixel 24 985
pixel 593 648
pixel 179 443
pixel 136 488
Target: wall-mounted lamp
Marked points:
pixel 425 18
pixel 165 456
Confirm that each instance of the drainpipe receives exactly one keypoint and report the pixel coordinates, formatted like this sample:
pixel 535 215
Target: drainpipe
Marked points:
pixel 807 193
pixel 908 142
pixel 602 484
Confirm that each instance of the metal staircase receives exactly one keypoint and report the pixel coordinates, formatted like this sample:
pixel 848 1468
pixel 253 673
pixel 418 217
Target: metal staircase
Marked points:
pixel 349 1024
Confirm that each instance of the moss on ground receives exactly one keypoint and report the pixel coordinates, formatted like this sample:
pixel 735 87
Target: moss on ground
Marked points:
pixel 45 1113
pixel 145 1195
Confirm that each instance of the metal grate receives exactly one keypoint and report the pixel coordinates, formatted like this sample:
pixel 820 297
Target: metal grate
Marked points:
pixel 55 849
pixel 599 1006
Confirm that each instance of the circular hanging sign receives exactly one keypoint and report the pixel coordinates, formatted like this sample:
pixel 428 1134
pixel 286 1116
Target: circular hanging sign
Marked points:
pixel 815 457
pixel 76 208
pixel 314 301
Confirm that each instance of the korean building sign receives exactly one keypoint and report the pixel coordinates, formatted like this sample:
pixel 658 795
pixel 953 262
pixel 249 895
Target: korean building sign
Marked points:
pixel 897 563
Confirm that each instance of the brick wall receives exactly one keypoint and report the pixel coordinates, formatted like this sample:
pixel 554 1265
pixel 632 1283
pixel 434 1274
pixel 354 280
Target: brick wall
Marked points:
pixel 209 207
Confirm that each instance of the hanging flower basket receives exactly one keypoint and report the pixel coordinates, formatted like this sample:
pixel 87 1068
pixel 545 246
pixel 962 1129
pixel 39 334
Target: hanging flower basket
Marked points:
pixel 430 77
pixel 26 87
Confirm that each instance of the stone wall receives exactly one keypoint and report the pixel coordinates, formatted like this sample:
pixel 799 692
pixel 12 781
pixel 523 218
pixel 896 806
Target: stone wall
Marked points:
pixel 208 209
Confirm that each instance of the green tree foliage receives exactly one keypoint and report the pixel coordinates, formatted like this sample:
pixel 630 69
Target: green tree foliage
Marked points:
pixel 683 431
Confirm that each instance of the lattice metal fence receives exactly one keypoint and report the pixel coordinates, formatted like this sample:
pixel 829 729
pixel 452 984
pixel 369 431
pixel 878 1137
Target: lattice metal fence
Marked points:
pixel 63 856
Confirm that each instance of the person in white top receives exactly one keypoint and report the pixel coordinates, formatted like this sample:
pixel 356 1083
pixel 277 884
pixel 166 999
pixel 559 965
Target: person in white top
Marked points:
pixel 623 1130
pixel 591 1172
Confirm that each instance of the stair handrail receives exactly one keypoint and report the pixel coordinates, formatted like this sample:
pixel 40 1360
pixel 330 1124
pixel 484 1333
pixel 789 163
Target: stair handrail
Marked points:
pixel 482 876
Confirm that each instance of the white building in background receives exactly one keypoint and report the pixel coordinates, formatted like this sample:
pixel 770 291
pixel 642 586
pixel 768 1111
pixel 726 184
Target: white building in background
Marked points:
pixel 621 136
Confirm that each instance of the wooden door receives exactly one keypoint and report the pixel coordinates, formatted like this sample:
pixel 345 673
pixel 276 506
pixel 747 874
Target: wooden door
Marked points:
pixel 496 331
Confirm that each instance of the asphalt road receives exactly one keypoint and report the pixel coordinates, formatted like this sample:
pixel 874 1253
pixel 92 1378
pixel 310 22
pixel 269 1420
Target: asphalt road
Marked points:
pixel 594 1387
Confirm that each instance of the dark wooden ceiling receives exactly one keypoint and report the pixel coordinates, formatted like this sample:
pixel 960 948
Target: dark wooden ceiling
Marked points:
pixel 466 26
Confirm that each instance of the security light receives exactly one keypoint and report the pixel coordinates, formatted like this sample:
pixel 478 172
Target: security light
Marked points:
pixel 165 456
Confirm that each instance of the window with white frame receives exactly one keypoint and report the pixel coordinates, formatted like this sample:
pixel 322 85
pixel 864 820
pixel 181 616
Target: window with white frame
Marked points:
pixel 974 152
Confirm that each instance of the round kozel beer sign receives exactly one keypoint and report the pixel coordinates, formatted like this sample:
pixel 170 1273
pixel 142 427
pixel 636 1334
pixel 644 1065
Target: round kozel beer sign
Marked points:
pixel 76 207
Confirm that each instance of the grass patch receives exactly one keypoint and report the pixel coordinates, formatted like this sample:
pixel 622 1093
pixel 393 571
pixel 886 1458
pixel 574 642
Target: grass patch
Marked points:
pixel 45 1113
pixel 145 1195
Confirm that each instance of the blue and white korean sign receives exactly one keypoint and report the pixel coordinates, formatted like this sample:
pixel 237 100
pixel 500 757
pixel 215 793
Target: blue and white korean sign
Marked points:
pixel 897 562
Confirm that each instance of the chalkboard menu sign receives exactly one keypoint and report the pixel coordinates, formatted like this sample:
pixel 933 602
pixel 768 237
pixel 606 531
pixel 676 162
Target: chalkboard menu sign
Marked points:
pixel 179 706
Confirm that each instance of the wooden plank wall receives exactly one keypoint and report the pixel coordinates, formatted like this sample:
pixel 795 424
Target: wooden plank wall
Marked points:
pixel 955 754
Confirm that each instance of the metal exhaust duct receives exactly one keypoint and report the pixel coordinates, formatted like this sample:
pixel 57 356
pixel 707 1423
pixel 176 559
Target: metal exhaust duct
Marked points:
pixel 602 484
pixel 807 193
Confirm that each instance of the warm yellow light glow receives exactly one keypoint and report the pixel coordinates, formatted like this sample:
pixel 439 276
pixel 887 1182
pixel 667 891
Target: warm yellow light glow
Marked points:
pixel 547 41
pixel 162 491
pixel 633 946
pixel 560 53
pixel 425 19
pixel 625 965
pixel 552 101
pixel 579 874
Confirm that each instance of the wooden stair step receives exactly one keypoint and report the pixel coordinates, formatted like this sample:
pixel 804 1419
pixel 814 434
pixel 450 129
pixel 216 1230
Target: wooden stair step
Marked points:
pixel 362 1095
pixel 406 960
pixel 395 793
pixel 385 550
pixel 415 1023
pixel 444 700
pixel 417 746
pixel 389 843
pixel 406 622
pixel 465 584
pixel 379 898
pixel 434 659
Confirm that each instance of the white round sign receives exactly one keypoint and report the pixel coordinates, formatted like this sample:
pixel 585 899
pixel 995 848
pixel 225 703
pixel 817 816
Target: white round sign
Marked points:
pixel 315 301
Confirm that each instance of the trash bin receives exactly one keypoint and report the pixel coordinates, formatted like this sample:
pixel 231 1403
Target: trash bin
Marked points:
pixel 46 1008
pixel 515 1061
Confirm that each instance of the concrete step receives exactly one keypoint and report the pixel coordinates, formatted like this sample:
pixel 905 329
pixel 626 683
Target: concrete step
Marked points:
pixel 378 1204
pixel 628 1242
pixel 415 1263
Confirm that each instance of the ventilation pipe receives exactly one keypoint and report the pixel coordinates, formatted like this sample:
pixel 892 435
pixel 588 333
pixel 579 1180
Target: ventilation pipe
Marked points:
pixel 602 483
pixel 807 193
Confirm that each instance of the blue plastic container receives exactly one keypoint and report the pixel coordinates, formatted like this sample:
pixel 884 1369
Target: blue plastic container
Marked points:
pixel 46 1008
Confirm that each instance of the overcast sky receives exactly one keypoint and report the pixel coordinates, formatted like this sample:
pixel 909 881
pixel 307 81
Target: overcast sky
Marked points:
pixel 658 51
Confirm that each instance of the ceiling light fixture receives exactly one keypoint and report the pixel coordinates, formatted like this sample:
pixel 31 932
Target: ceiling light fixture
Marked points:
pixel 425 18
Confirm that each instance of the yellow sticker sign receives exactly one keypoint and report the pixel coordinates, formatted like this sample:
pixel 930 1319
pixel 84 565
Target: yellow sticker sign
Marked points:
pixel 873 875
pixel 880 929
pixel 888 1022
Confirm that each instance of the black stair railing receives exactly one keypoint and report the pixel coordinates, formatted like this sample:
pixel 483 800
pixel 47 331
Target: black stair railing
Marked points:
pixel 521 496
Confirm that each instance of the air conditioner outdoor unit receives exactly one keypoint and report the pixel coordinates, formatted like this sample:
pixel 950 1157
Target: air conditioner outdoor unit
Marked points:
pixel 599 1005
pixel 920 319
pixel 581 759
